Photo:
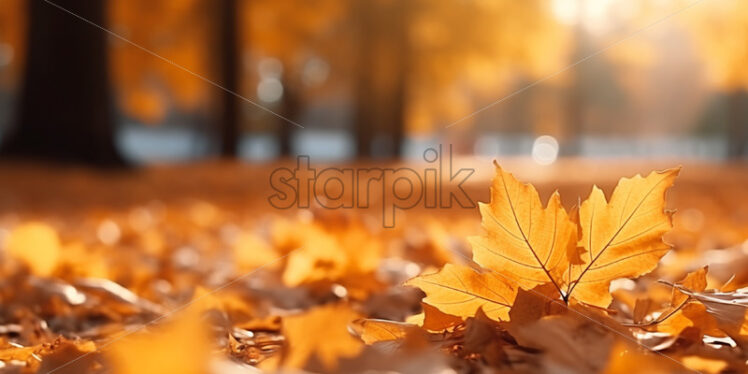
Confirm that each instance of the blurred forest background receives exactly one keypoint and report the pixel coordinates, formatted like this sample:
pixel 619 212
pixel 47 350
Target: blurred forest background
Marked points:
pixel 340 80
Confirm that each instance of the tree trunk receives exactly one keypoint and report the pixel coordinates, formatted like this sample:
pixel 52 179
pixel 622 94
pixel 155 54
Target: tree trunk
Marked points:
pixel 381 84
pixel 290 108
pixel 65 112
pixel 228 64
pixel 401 65
pixel 575 99
pixel 737 126
pixel 364 120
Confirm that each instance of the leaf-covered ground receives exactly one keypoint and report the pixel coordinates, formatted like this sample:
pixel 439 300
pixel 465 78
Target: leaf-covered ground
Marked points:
pixel 189 270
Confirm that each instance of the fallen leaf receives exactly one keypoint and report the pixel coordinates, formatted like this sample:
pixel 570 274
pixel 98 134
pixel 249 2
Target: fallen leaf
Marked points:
pixel 622 238
pixel 483 337
pixel 692 317
pixel 251 252
pixel 522 239
pixel 60 355
pixel 704 365
pixel 179 346
pixel 461 291
pixel 320 332
pixel 694 281
pixel 530 306
pixel 70 358
pixel 433 319
pixel 626 358
pixel 378 330
pixel 37 245
pixel 729 309
pixel 569 343
pixel 331 254
pixel 642 309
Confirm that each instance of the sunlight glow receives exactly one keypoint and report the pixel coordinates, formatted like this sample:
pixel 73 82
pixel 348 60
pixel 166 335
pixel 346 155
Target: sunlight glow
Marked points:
pixel 270 90
pixel 594 15
pixel 545 150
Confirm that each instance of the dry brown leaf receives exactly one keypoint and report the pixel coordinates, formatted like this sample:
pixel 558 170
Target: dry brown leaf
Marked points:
pixel 622 238
pixel 70 358
pixel 433 319
pixel 569 344
pixel 483 337
pixel 642 308
pixel 57 356
pixel 687 312
pixel 729 309
pixel 530 306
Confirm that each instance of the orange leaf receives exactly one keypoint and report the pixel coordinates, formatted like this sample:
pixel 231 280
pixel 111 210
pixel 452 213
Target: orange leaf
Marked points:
pixel 378 330
pixel 321 332
pixel 37 245
pixel 180 346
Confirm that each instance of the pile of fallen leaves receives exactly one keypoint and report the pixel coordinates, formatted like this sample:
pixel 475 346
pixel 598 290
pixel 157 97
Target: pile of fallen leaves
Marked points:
pixel 195 288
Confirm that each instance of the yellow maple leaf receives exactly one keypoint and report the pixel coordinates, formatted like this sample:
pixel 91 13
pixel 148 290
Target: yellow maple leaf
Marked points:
pixel 321 332
pixel 622 238
pixel 522 239
pixel 461 291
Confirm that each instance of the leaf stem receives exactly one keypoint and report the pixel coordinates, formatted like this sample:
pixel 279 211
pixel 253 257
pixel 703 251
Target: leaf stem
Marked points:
pixel 662 319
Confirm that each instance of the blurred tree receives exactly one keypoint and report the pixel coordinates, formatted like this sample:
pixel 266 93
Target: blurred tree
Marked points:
pixel 570 142
pixel 12 35
pixel 13 17
pixel 409 68
pixel 289 33
pixel 64 112
pixel 382 71
pixel 291 107
pixel 229 61
pixel 721 30
pixel 150 88
pixel 467 56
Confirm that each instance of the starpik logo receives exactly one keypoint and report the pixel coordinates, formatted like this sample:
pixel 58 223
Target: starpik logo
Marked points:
pixel 437 185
